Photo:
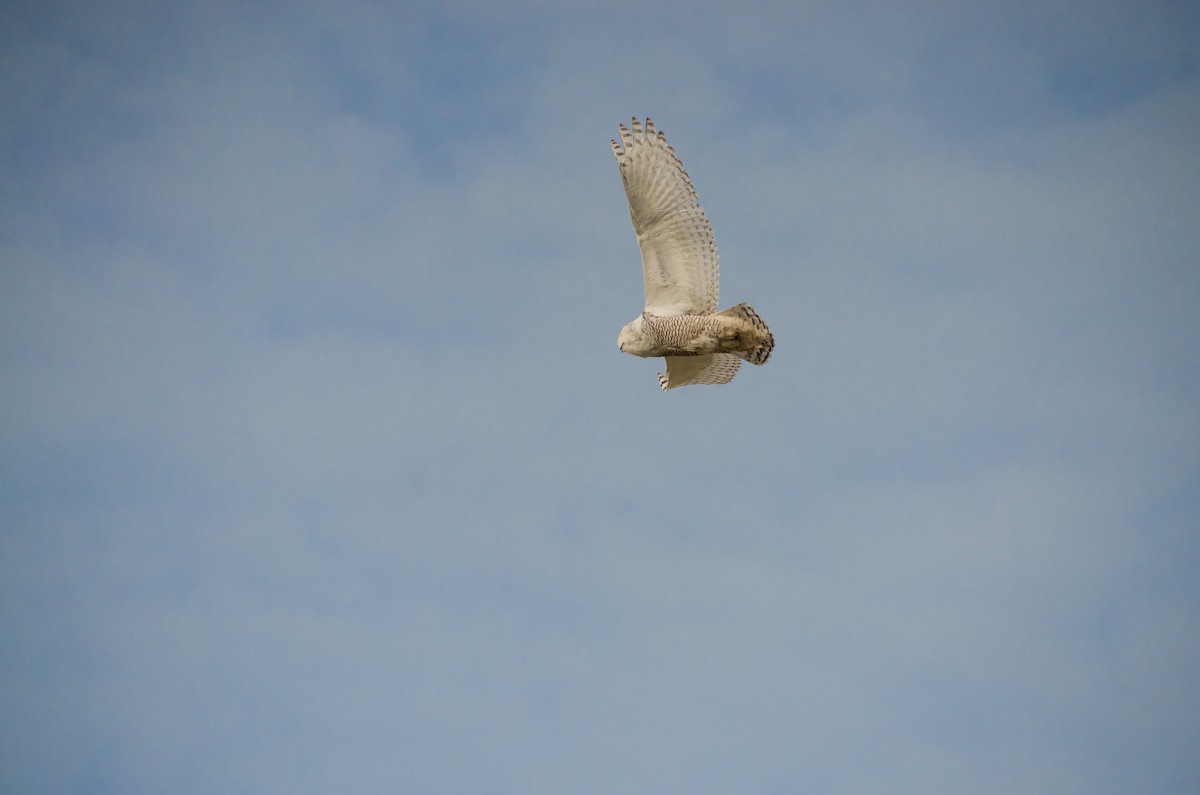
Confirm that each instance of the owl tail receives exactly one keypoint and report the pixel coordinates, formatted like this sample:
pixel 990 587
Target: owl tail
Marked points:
pixel 760 340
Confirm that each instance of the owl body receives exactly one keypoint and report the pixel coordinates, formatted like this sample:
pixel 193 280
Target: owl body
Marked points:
pixel 680 269
pixel 738 331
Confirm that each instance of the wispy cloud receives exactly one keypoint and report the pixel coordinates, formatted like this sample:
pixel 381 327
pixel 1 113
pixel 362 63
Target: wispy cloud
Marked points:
pixel 320 459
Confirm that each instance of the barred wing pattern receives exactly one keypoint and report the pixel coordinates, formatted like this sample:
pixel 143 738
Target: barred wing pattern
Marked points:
pixel 679 253
pixel 715 368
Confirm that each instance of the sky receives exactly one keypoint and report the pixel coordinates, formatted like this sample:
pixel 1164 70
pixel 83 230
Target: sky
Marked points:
pixel 320 470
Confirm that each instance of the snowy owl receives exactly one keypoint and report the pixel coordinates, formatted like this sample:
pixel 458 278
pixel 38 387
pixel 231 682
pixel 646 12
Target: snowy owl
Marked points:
pixel 679 264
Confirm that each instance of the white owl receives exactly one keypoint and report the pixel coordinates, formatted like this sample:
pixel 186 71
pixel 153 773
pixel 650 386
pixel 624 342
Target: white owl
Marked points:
pixel 679 264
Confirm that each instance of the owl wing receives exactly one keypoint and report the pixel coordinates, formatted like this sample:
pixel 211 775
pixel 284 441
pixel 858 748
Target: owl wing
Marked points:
pixel 679 253
pixel 713 368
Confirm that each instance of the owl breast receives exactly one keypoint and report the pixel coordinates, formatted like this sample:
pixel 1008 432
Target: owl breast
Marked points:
pixel 684 335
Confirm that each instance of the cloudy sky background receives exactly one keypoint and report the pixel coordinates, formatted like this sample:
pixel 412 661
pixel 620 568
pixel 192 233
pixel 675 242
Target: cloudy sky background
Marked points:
pixel 321 470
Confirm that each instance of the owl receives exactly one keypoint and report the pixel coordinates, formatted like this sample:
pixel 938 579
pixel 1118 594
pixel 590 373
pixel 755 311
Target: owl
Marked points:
pixel 679 265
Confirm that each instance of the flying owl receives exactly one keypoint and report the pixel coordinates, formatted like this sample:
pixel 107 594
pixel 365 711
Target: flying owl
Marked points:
pixel 679 264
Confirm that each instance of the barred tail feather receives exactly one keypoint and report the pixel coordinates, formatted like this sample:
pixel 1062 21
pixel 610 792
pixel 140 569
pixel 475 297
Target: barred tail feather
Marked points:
pixel 765 340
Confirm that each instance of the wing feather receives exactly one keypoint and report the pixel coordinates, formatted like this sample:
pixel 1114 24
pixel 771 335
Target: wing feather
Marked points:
pixel 713 368
pixel 679 253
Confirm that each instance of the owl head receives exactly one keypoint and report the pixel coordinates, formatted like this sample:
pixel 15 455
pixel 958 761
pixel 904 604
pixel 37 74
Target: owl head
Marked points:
pixel 634 338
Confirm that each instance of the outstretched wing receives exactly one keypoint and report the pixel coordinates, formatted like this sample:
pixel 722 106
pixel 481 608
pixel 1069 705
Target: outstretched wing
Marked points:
pixel 679 254
pixel 713 368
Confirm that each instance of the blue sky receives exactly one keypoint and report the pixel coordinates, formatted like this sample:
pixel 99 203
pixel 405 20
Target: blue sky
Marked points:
pixel 321 471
